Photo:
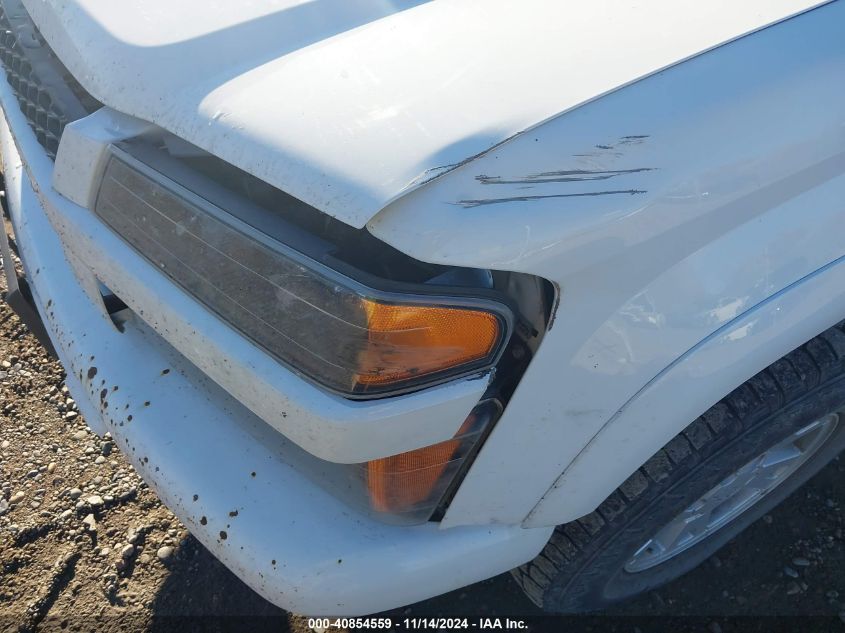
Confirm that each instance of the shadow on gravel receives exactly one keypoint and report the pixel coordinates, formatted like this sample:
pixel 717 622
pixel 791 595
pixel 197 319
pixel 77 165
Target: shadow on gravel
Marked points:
pixel 201 594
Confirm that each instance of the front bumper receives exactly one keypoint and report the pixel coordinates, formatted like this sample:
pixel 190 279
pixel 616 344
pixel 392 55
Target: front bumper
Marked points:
pixel 207 455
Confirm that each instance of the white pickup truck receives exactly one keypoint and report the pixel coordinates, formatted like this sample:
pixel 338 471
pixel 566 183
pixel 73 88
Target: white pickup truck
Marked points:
pixel 384 298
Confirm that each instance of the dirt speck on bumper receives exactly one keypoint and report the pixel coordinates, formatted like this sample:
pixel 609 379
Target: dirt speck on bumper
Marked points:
pixel 83 540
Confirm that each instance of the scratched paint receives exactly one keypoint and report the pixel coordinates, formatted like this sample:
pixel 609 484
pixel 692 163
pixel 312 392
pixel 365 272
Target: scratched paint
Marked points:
pixel 568 175
pixel 468 204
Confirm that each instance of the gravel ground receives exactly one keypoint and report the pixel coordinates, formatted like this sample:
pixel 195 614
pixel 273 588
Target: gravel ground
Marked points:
pixel 85 544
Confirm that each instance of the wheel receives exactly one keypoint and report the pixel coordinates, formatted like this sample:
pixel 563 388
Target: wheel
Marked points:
pixel 720 474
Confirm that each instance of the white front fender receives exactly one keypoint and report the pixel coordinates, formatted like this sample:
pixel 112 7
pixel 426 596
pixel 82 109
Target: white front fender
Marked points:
pixel 662 213
pixel 689 387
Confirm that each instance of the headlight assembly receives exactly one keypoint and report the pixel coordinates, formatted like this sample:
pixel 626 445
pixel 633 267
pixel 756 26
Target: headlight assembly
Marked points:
pixel 353 339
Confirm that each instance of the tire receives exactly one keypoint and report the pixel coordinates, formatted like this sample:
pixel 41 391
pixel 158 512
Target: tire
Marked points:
pixel 583 567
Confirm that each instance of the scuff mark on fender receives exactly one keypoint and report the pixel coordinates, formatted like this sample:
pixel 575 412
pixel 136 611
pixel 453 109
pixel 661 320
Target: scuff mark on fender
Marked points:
pixel 568 175
pixel 468 204
pixel 435 172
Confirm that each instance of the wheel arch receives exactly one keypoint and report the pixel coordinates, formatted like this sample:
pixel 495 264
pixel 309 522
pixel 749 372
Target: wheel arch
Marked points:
pixel 689 386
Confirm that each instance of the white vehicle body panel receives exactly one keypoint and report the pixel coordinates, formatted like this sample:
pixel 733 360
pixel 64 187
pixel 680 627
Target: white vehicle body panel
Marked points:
pixel 662 212
pixel 724 360
pixel 349 104
pixel 690 222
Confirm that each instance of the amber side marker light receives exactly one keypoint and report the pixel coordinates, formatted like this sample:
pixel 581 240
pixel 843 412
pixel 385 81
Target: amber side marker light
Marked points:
pixel 410 485
pixel 407 342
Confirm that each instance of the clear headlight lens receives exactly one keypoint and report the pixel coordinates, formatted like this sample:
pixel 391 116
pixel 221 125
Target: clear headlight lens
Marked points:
pixel 340 333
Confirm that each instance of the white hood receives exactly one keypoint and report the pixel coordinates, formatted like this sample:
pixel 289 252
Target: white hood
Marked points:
pixel 349 104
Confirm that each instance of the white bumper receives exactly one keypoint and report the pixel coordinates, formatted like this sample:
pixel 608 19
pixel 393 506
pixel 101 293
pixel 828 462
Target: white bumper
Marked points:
pixel 206 455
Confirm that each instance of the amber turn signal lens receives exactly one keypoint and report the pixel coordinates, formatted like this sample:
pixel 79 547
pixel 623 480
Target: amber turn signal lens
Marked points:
pixel 414 482
pixel 411 341
pixel 400 482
